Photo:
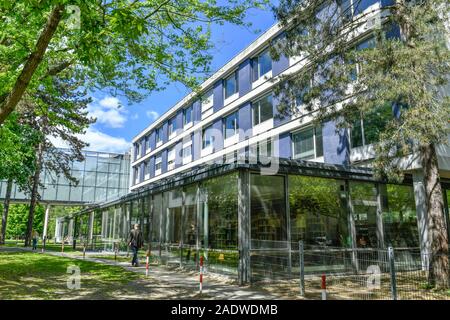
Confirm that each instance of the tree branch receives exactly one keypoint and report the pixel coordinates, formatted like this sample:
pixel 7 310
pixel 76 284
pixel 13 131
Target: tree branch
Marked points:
pixel 32 63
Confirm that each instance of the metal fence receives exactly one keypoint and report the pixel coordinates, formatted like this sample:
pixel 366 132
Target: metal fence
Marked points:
pixel 294 269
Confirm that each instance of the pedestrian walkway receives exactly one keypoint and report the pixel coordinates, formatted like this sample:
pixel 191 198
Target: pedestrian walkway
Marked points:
pixel 163 283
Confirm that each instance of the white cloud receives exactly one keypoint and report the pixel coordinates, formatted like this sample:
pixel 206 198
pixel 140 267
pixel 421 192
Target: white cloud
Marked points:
pixel 153 115
pixel 98 141
pixel 110 102
pixel 108 112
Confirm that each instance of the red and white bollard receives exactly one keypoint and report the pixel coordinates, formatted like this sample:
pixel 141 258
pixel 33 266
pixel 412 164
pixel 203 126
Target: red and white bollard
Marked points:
pixel 146 265
pixel 201 274
pixel 324 287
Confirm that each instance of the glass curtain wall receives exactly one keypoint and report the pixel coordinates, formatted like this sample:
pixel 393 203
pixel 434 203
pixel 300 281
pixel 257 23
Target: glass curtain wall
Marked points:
pixel 364 206
pixel 399 217
pixel 156 224
pixel 218 223
pixel 268 227
pixel 318 212
pixel 173 227
pixel 190 227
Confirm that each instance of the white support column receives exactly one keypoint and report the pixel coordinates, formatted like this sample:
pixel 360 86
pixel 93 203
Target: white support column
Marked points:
pixel 47 214
pixel 58 230
pixel 91 227
pixel 421 211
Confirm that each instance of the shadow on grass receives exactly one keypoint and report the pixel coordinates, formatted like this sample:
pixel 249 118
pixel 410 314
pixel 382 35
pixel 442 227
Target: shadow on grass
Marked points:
pixel 26 275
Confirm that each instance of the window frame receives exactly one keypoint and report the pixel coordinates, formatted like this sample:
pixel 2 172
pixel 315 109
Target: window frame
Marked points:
pixel 235 76
pixel 315 148
pixel 256 65
pixel 189 109
pixel 257 105
pixel 211 141
pixel 236 124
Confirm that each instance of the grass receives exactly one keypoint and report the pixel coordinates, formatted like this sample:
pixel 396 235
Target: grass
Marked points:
pixel 27 275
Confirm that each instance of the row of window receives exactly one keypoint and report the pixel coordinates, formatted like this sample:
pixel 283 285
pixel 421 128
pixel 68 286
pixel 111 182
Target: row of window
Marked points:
pixel 261 66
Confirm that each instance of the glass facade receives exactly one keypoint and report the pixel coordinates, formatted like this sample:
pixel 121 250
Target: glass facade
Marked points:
pixel 102 177
pixel 212 215
pixel 318 211
pixel 399 217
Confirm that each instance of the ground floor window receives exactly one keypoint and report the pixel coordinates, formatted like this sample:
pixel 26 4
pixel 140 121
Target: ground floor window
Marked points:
pixel 267 210
pixel 318 211
pixel 399 216
pixel 364 207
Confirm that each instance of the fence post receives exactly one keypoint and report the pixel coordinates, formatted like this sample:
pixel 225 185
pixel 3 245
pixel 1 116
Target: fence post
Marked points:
pixel 392 272
pixel 301 255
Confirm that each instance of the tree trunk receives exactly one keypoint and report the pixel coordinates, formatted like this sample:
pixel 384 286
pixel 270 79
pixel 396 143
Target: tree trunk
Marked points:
pixel 5 211
pixel 437 228
pixel 34 194
pixel 12 99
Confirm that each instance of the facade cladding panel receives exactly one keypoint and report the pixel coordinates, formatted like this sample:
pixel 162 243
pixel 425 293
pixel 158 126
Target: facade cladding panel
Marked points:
pixel 197 113
pixel 218 96
pixel 245 121
pixel 244 78
pixel 336 149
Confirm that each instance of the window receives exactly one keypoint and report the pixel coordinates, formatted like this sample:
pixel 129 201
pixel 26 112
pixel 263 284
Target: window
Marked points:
pixel 261 65
pixel 137 150
pixel 172 126
pixel 231 125
pixel 366 130
pixel 207 104
pixel 147 141
pixel 187 151
pixel 158 135
pixel 308 144
pixel 136 175
pixel 158 165
pixel 208 138
pixel 262 110
pixel 231 85
pixel 146 169
pixel 262 151
pixel 187 115
pixel 171 159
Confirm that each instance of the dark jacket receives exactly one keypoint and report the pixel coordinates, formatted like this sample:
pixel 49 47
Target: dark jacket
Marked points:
pixel 135 238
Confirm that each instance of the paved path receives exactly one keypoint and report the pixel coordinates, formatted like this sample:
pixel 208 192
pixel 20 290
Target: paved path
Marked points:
pixel 164 283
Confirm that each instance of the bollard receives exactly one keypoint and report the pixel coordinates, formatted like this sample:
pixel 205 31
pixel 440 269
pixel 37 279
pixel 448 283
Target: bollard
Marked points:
pixel 201 274
pixel 84 250
pixel 324 287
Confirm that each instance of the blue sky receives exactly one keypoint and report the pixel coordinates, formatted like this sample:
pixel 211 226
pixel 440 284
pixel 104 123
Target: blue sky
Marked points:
pixel 115 127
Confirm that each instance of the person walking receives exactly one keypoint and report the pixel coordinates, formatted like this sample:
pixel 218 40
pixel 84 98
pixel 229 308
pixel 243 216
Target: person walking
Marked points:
pixel 35 237
pixel 135 242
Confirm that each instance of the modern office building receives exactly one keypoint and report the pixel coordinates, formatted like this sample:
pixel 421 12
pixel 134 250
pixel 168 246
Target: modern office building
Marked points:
pixel 224 174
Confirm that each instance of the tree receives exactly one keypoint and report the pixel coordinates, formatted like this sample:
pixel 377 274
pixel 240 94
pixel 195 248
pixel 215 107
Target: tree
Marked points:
pixel 17 160
pixel 127 47
pixel 58 110
pixel 404 67
pixel 18 216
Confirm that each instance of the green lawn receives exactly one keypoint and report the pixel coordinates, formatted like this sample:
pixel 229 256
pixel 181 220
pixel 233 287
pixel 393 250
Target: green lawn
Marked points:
pixel 28 275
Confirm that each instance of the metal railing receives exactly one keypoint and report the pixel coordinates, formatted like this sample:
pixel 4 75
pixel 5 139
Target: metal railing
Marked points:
pixel 295 269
